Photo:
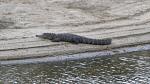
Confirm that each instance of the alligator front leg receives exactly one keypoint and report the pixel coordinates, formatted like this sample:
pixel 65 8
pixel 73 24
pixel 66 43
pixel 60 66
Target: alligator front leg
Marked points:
pixel 56 40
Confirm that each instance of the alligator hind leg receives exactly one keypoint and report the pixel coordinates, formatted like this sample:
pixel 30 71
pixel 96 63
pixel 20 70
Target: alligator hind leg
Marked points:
pixel 75 41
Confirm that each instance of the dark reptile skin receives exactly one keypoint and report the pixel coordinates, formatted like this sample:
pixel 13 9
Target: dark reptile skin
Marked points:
pixel 72 38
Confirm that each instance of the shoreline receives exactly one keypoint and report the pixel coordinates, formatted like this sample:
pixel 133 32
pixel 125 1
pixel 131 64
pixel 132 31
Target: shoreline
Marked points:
pixel 78 56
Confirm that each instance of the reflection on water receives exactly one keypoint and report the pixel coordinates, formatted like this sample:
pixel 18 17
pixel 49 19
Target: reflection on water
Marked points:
pixel 131 68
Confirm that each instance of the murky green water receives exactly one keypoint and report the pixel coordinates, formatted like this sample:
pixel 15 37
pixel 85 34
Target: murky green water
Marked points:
pixel 131 68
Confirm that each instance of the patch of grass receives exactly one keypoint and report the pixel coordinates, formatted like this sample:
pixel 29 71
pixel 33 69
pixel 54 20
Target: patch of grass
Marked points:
pixel 1 82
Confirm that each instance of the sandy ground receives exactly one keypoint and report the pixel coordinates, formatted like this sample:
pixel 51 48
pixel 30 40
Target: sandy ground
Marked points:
pixel 127 22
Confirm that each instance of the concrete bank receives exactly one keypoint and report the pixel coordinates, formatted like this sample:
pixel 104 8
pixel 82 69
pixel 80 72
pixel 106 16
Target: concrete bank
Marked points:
pixel 126 22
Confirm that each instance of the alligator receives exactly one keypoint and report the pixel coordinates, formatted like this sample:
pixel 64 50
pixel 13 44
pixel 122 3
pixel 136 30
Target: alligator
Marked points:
pixel 75 39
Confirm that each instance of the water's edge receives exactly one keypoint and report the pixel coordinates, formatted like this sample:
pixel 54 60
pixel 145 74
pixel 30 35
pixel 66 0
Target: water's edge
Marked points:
pixel 77 56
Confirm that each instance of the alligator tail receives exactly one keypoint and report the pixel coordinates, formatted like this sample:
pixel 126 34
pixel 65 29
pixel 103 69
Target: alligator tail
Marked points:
pixel 98 41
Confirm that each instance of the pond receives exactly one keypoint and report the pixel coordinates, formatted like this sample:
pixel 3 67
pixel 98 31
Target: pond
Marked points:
pixel 129 68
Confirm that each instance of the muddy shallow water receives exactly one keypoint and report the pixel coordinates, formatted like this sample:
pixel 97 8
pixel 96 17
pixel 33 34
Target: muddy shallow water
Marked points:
pixel 132 68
